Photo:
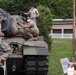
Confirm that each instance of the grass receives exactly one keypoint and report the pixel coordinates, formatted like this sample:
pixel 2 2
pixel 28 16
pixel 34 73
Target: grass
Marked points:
pixel 61 48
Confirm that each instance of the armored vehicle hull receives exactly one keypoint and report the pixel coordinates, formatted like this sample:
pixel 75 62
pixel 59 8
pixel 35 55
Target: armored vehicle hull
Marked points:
pixel 28 58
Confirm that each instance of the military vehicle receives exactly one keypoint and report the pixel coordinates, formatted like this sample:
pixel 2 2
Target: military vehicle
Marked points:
pixel 28 57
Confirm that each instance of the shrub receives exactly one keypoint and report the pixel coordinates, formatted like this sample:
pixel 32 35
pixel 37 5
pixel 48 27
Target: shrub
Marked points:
pixel 44 23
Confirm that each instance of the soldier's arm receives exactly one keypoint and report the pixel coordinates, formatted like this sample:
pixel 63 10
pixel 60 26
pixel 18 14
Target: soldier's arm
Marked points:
pixel 37 13
pixel 1 33
pixel 19 24
pixel 27 13
pixel 25 26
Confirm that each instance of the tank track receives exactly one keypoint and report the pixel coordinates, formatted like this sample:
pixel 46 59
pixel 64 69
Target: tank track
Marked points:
pixel 36 65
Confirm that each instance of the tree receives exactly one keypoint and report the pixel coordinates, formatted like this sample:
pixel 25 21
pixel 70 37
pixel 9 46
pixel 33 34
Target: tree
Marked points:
pixel 58 8
pixel 44 23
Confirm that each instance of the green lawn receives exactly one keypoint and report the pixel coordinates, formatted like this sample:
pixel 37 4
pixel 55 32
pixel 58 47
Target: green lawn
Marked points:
pixel 61 48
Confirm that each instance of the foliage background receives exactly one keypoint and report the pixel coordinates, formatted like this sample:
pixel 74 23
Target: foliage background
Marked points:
pixel 58 8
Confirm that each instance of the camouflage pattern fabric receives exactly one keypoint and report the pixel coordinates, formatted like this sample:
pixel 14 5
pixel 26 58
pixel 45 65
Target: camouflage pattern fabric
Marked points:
pixel 5 50
pixel 6 23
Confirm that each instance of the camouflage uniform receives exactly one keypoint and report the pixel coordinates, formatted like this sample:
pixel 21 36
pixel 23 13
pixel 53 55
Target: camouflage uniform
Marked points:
pixel 28 33
pixel 34 13
pixel 5 50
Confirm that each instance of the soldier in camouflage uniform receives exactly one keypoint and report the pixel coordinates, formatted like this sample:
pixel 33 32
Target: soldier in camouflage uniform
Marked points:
pixel 5 50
